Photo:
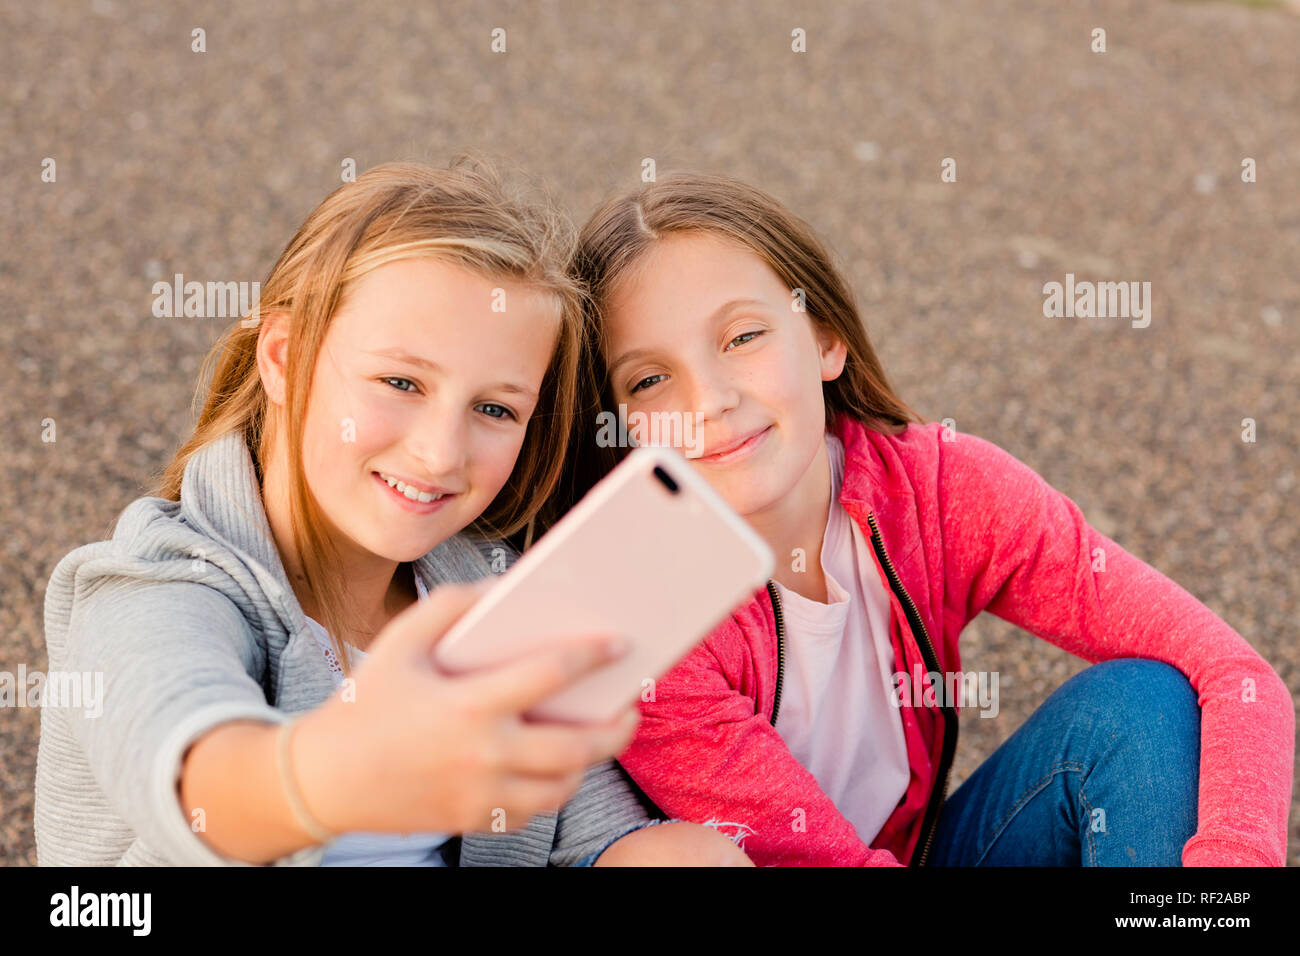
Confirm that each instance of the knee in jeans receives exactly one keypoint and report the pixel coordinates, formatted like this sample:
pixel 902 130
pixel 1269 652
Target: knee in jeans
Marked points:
pixel 1135 690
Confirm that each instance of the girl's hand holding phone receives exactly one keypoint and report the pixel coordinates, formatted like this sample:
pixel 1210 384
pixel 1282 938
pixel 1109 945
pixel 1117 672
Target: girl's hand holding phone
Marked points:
pixel 412 749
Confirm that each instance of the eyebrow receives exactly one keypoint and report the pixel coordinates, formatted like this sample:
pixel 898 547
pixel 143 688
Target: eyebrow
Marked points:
pixel 407 357
pixel 718 313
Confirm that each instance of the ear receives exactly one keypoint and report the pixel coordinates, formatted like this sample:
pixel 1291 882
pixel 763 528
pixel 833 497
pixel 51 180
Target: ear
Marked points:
pixel 832 352
pixel 273 355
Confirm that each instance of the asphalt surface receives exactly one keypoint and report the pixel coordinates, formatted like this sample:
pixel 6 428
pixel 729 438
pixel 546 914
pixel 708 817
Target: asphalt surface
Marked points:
pixel 1123 165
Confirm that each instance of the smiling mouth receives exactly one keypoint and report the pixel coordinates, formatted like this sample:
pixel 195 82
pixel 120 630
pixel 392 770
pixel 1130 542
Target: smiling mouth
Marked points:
pixel 410 491
pixel 412 499
pixel 737 451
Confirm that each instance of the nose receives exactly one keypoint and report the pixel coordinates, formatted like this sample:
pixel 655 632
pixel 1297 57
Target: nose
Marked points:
pixel 712 393
pixel 439 441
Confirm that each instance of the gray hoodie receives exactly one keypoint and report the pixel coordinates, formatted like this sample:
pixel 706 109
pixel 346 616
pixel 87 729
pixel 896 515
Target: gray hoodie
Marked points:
pixel 185 620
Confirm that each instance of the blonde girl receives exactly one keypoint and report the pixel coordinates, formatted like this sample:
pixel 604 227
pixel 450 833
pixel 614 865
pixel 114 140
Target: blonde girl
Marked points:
pixel 400 397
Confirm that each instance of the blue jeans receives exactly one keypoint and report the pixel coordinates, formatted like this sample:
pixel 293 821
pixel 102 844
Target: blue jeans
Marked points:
pixel 1104 773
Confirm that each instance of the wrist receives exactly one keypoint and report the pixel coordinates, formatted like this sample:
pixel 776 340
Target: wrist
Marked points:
pixel 307 773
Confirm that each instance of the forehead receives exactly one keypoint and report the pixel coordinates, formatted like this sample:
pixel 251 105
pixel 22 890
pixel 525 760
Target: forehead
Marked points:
pixel 427 306
pixel 683 278
pixel 686 261
pixel 429 285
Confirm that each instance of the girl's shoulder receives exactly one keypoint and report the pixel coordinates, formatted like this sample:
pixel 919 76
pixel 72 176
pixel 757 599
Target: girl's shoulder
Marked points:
pixel 148 531
pixel 925 453
pixel 159 565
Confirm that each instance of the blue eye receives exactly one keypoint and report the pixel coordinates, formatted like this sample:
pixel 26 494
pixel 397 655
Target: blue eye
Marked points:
pixel 642 384
pixel 394 378
pixel 508 412
pixel 744 335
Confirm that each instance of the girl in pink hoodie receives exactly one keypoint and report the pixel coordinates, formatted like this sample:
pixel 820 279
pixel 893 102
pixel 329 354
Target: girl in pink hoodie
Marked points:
pixel 819 720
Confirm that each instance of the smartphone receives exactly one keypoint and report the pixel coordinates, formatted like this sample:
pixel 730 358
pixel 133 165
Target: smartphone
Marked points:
pixel 652 552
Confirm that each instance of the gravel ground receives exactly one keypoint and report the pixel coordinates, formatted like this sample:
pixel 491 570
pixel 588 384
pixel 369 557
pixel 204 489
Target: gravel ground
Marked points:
pixel 1117 165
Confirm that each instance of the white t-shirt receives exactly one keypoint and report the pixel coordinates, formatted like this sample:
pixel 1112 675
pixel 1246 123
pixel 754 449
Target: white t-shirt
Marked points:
pixel 836 713
pixel 361 848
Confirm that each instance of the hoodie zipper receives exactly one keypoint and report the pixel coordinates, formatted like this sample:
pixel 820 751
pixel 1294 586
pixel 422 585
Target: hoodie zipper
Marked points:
pixel 780 647
pixel 931 820
pixel 922 637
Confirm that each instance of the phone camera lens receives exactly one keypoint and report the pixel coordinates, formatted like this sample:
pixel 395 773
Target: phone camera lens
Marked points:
pixel 666 479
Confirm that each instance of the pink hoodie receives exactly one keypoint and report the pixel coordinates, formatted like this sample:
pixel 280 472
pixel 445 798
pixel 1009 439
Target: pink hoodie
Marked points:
pixel 963 527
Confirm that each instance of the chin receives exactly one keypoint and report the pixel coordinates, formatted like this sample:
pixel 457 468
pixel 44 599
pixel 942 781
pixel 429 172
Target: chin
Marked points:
pixel 393 547
pixel 746 494
pixel 413 552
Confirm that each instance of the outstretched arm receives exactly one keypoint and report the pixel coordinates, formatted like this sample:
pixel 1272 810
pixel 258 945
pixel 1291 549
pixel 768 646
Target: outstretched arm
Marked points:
pixel 1022 550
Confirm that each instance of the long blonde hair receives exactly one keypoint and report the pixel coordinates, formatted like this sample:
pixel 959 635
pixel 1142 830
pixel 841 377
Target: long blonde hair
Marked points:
pixel 613 243
pixel 462 214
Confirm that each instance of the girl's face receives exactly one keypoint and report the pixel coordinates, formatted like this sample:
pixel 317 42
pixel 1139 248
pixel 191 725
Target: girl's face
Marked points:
pixel 421 380
pixel 704 325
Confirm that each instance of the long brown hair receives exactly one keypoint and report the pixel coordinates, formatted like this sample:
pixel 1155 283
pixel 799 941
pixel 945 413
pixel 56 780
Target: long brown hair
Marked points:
pixel 621 231
pixel 463 214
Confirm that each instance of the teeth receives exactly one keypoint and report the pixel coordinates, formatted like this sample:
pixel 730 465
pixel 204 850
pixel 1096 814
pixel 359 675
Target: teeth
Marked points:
pixel 422 496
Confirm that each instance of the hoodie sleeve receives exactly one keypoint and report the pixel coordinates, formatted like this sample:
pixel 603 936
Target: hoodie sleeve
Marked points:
pixel 702 754
pixel 606 808
pixel 1022 550
pixel 177 659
